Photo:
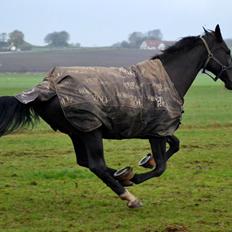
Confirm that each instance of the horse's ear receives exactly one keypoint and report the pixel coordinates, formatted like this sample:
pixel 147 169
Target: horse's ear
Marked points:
pixel 218 33
pixel 206 31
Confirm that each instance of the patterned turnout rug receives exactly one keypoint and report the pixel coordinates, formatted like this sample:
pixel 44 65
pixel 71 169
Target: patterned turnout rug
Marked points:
pixel 131 102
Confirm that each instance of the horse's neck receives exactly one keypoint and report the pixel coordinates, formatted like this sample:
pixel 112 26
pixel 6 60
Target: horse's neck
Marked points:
pixel 184 68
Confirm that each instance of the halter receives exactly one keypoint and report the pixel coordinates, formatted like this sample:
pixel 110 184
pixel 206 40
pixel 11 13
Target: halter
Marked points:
pixel 211 56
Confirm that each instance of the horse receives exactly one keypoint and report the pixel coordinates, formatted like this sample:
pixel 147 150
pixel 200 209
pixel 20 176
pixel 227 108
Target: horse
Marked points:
pixel 182 62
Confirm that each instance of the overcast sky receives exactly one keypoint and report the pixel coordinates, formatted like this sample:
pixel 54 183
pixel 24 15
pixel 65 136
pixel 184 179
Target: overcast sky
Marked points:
pixel 104 22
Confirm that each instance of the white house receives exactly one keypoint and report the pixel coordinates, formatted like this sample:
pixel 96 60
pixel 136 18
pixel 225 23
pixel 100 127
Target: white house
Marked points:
pixel 156 44
pixel 153 45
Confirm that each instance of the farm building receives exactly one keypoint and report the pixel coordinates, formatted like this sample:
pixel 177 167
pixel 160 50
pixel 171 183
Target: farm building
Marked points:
pixel 155 44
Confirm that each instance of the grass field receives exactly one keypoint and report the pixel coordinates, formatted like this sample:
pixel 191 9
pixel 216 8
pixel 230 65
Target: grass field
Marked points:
pixel 42 189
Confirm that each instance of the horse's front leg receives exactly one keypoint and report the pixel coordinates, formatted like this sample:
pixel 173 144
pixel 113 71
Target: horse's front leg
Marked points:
pixel 174 144
pixel 158 147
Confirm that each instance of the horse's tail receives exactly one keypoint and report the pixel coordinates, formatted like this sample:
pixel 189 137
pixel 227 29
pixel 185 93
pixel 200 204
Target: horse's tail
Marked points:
pixel 14 114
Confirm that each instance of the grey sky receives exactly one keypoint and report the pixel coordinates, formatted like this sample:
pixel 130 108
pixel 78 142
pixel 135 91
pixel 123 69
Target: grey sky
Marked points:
pixel 104 22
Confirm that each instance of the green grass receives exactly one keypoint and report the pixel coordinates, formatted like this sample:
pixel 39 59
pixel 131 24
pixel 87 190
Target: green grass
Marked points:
pixel 42 188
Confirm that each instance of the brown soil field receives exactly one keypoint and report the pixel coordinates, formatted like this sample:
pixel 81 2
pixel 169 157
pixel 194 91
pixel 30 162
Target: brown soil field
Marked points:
pixel 42 61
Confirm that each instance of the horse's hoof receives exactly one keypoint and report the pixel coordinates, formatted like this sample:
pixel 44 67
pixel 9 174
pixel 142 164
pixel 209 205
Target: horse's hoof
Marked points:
pixel 148 161
pixel 134 204
pixel 124 175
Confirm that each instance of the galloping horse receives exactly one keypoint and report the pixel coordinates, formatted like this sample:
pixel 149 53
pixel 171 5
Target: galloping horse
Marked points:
pixel 181 63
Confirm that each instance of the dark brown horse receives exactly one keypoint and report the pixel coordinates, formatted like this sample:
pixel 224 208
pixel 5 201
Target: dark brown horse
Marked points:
pixel 182 62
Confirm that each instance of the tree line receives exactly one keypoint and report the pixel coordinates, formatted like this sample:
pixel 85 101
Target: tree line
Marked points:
pixel 136 38
pixel 16 40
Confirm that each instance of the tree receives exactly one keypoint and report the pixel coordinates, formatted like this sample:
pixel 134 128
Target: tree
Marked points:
pixel 16 38
pixel 135 39
pixel 3 37
pixel 125 44
pixel 3 41
pixel 57 39
pixel 155 34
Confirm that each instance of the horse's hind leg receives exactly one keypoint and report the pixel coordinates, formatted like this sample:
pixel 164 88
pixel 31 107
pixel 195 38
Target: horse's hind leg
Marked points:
pixel 81 156
pixel 93 157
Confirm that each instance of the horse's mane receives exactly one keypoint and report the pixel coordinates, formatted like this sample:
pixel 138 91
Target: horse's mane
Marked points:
pixel 185 44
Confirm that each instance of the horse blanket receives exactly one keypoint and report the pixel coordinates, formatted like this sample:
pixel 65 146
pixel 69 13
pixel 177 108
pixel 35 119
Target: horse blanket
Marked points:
pixel 137 101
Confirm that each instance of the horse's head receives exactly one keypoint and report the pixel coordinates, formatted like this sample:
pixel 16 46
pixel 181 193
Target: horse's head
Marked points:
pixel 219 60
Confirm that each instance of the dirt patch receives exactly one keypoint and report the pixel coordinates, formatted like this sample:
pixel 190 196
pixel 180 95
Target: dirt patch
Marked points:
pixel 191 146
pixel 37 153
pixel 43 61
pixel 207 126
pixel 176 228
